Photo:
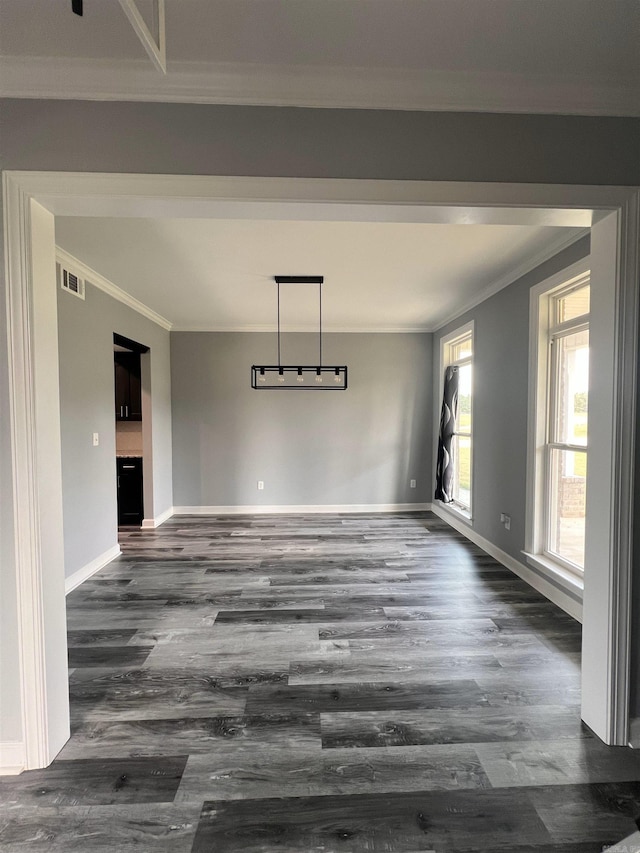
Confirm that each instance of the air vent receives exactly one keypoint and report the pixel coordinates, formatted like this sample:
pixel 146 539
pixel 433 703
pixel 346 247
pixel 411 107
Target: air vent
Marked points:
pixel 71 282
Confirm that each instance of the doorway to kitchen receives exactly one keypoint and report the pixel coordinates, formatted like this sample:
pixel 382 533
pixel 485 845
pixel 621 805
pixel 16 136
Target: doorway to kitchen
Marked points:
pixel 132 394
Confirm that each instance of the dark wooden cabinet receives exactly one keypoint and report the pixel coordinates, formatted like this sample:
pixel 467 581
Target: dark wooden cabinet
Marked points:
pixel 128 386
pixel 130 500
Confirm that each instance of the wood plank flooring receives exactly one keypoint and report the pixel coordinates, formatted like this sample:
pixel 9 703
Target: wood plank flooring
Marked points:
pixel 320 683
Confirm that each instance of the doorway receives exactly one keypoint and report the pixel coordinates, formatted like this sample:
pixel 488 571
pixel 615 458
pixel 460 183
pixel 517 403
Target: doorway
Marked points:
pixel 612 213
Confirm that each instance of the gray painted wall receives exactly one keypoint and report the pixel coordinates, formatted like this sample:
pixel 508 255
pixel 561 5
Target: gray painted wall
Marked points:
pixel 359 446
pixel 500 402
pixel 202 139
pixel 87 405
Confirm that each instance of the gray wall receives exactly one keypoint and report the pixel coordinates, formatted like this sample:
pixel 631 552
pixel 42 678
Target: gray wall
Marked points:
pixel 87 405
pixel 232 140
pixel 500 402
pixel 359 446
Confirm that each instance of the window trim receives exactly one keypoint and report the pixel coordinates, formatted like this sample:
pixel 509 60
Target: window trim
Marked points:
pixel 542 325
pixel 446 342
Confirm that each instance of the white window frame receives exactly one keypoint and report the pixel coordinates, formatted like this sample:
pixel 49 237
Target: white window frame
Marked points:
pixel 446 345
pixel 542 328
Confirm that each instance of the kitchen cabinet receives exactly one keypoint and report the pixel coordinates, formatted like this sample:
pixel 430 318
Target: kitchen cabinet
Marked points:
pixel 128 386
pixel 130 500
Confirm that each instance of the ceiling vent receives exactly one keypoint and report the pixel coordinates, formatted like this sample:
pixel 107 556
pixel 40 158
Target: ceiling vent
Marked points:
pixel 70 281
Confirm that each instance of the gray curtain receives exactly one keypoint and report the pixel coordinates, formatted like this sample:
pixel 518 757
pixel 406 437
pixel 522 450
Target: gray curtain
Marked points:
pixel 444 466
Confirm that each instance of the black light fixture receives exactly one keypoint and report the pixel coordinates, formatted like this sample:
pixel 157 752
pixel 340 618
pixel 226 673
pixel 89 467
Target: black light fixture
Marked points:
pixel 76 7
pixel 312 377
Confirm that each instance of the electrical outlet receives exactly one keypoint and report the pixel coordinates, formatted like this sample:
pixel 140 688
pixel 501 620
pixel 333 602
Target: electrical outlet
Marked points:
pixel 260 485
pixel 507 522
pixel 412 484
pixel 96 439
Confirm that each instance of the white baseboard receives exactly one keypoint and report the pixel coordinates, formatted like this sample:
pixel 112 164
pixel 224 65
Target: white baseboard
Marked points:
pixel 11 758
pixel 291 509
pixel 549 590
pixel 91 568
pixel 152 523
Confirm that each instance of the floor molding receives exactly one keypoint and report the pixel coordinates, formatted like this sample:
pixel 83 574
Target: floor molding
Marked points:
pixel 302 509
pixel 12 758
pixel 152 523
pixel 631 844
pixel 90 569
pixel 549 590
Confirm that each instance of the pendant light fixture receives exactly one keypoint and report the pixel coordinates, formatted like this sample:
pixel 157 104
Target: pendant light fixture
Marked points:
pixel 312 377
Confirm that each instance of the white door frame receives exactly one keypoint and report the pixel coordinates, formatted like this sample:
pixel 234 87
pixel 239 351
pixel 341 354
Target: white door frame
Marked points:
pixel 34 427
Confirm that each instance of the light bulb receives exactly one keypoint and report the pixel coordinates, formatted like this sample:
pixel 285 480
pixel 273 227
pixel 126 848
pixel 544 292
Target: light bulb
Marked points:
pixel 319 377
pixel 262 377
pixel 281 377
pixel 299 377
pixel 336 378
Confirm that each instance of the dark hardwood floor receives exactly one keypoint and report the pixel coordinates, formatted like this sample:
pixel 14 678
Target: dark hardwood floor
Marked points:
pixel 320 683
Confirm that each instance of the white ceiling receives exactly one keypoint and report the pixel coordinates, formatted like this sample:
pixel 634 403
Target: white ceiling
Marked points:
pixel 519 55
pixel 217 274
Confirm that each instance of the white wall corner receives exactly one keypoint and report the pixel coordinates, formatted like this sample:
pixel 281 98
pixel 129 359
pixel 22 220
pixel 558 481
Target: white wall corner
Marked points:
pixel 549 590
pixel 152 523
pixel 83 574
pixel 292 509
pixel 12 758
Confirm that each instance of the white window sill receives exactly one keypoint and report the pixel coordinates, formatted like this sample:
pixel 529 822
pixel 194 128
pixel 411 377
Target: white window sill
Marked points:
pixel 458 511
pixel 565 578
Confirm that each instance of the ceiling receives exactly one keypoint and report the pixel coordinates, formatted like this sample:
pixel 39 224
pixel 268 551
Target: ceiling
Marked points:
pixel 217 274
pixel 569 56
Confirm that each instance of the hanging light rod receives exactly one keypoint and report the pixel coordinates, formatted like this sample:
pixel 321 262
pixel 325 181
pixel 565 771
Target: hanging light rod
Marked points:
pixel 312 377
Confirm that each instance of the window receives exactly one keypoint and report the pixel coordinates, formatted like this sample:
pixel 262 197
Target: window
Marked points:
pixel 457 351
pixel 560 313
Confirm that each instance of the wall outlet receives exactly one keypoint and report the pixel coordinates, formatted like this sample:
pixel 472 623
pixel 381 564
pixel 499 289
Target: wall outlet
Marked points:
pixel 96 439
pixel 412 484
pixel 506 520
pixel 260 485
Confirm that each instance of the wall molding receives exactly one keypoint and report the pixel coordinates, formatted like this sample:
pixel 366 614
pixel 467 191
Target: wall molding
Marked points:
pixel 98 280
pixel 152 523
pixel 556 595
pixel 12 758
pixel 90 569
pixel 272 84
pixel 512 276
pixel 303 509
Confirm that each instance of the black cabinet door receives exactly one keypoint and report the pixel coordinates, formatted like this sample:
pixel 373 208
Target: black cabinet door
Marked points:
pixel 128 384
pixel 130 501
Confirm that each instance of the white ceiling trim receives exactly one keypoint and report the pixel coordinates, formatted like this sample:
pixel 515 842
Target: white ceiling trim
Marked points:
pixel 314 86
pixel 550 250
pixel 333 330
pixel 155 45
pixel 102 283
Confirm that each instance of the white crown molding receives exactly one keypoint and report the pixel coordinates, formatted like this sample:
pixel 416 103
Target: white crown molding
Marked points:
pixel 549 251
pixel 314 86
pixel 346 330
pixel 102 283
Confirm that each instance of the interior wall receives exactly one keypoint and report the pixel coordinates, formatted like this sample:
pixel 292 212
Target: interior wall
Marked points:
pixel 86 331
pixel 500 401
pixel 359 446
pixel 204 139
